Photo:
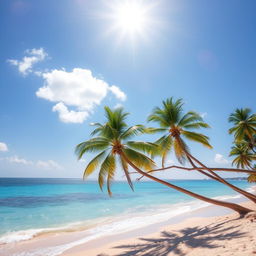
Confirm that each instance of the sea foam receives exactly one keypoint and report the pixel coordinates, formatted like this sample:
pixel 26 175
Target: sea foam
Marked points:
pixel 118 225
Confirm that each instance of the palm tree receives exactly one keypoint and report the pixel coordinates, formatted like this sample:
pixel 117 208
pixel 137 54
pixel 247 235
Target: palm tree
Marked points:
pixel 112 143
pixel 252 177
pixel 177 127
pixel 245 139
pixel 250 142
pixel 243 156
pixel 244 124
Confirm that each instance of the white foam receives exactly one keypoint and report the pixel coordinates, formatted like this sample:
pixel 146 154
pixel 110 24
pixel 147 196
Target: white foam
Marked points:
pixel 28 234
pixel 121 226
pixel 124 223
pixel 251 189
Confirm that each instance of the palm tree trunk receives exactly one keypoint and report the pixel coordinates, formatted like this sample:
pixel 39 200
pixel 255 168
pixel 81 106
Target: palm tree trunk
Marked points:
pixel 218 178
pixel 211 168
pixel 239 209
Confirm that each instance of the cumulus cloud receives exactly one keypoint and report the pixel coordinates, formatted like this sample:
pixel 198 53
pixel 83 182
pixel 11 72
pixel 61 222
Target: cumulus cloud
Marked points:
pixel 117 92
pixel 78 89
pixel 203 115
pixel 69 116
pixel 50 164
pixel 18 160
pixel 220 159
pixel 118 105
pixel 74 93
pixel 32 57
pixel 3 147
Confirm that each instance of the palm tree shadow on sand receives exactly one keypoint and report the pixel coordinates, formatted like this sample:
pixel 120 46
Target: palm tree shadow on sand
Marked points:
pixel 169 242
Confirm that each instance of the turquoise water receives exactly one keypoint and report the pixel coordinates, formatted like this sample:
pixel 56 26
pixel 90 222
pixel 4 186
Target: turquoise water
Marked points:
pixel 38 204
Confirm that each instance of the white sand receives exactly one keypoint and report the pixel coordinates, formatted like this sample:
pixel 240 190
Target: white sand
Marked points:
pixel 215 236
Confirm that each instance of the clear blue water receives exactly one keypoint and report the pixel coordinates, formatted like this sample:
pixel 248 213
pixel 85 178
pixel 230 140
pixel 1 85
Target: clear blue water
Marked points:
pixel 45 203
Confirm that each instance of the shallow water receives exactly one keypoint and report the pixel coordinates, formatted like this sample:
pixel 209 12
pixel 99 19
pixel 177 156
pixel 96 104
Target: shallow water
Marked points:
pixel 29 207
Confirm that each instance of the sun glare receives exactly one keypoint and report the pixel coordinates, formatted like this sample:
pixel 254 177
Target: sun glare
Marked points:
pixel 131 17
pixel 130 21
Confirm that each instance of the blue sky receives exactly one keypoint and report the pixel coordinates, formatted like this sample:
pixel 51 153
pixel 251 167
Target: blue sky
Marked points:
pixel 201 51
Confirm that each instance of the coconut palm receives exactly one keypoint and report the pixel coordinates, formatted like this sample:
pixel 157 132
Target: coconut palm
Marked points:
pixel 244 124
pixel 243 157
pixel 252 177
pixel 111 142
pixel 177 127
pixel 250 142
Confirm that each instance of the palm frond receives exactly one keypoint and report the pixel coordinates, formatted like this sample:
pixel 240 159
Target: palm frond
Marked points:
pixel 179 149
pixel 251 178
pixel 146 147
pixel 98 129
pixel 108 166
pixel 165 144
pixel 133 131
pixel 190 117
pixel 111 173
pixel 125 169
pixel 197 137
pixel 244 124
pixel 93 164
pixel 139 159
pixel 116 118
pixel 196 125
pixel 243 157
pixel 152 130
pixel 92 145
pixel 159 117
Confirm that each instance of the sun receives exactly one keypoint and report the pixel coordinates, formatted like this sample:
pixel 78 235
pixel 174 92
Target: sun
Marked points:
pixel 131 20
pixel 131 17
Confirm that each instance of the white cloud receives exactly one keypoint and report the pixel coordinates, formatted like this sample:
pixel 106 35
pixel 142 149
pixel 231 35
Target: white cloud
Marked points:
pixel 220 159
pixel 50 164
pixel 203 115
pixel 117 92
pixel 78 89
pixel 26 64
pixel 118 105
pixel 3 147
pixel 69 116
pixel 18 160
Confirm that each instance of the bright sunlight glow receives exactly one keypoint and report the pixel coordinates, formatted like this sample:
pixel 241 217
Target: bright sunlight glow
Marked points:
pixel 130 21
pixel 131 17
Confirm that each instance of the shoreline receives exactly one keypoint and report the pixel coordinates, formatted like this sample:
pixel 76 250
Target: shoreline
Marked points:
pixel 76 244
pixel 116 244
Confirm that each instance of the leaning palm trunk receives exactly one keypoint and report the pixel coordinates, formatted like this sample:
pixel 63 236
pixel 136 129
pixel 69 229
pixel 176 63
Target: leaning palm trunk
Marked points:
pixel 211 168
pixel 239 209
pixel 216 177
pixel 200 169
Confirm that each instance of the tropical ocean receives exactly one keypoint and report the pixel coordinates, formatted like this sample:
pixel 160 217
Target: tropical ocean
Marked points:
pixel 29 207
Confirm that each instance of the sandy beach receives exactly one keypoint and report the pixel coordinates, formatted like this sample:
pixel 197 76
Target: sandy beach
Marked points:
pixel 209 230
pixel 222 235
